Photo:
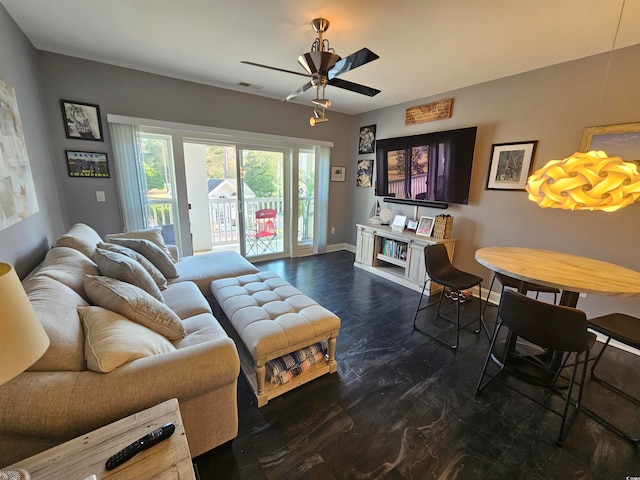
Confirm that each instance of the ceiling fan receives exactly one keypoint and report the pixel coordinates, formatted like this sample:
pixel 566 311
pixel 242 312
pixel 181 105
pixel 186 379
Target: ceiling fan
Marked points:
pixel 323 66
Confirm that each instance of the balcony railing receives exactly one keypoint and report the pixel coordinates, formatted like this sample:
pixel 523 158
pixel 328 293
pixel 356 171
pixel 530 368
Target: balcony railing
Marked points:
pixel 223 216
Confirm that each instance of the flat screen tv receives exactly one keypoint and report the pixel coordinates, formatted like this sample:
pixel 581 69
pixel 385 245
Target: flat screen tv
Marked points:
pixel 431 168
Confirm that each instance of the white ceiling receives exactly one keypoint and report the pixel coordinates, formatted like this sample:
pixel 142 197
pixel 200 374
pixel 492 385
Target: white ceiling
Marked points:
pixel 426 47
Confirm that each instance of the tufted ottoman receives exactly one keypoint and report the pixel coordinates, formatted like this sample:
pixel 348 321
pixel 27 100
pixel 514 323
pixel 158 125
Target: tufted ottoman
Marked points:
pixel 272 318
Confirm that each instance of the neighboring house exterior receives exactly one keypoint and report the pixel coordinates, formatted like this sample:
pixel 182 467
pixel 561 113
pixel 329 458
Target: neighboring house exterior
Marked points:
pixel 226 188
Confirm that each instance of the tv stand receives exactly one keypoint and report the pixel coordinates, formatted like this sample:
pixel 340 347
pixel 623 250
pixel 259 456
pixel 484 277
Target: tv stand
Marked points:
pixel 397 256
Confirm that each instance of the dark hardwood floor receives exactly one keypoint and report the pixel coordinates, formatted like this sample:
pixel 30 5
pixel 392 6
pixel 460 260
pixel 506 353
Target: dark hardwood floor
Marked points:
pixel 402 406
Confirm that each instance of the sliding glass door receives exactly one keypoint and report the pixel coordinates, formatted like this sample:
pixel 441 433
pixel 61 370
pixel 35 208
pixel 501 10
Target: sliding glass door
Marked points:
pixel 263 197
pixel 264 201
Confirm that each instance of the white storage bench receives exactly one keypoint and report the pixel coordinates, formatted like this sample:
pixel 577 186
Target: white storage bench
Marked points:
pixel 273 319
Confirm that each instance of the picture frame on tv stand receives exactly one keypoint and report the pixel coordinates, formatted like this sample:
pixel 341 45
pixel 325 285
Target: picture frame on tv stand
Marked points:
pixel 425 227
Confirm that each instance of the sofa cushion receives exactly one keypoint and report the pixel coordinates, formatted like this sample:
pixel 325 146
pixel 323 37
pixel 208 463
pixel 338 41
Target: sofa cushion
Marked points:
pixel 56 305
pixel 203 269
pixel 68 266
pixel 119 266
pixel 135 304
pixel 82 238
pixel 200 328
pixel 156 274
pixel 154 254
pixel 185 299
pixel 154 235
pixel 112 340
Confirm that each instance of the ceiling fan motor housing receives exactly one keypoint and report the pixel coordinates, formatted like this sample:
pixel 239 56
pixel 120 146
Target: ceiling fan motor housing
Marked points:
pixel 315 62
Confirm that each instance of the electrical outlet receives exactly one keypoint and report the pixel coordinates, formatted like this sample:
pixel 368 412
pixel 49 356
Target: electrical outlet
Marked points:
pixel 333 230
pixel 583 295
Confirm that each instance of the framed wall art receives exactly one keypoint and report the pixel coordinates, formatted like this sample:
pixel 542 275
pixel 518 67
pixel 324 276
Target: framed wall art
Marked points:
pixel 81 120
pixel 425 226
pixel 364 175
pixel 338 174
pixel 87 164
pixel 367 143
pixel 18 196
pixel 510 165
pixel 617 140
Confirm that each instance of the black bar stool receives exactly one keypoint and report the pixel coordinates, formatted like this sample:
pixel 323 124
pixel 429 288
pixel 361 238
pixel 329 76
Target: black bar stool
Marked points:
pixel 441 271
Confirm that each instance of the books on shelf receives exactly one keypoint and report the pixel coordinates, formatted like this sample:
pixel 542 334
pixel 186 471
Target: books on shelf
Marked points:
pixel 394 249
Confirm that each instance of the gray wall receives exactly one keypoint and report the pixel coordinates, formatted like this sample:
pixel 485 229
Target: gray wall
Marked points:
pixel 552 105
pixel 133 93
pixel 25 243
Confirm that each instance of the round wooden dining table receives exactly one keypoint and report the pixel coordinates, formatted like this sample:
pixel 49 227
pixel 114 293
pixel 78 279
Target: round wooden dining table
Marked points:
pixel 572 274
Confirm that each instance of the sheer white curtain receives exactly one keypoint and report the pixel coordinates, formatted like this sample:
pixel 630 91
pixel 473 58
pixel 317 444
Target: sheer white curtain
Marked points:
pixel 323 169
pixel 130 176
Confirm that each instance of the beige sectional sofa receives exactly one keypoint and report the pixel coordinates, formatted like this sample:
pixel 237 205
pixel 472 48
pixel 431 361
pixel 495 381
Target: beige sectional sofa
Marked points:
pixel 102 366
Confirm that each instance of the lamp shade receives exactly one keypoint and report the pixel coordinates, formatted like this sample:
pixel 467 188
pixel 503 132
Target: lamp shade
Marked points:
pixel 585 181
pixel 22 337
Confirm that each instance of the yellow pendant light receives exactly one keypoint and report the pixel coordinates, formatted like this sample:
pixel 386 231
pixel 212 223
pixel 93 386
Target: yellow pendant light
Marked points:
pixel 585 181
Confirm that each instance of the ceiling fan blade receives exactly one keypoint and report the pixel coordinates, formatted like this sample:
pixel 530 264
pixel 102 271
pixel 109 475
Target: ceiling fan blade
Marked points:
pixel 300 91
pixel 274 68
pixel 354 87
pixel 354 60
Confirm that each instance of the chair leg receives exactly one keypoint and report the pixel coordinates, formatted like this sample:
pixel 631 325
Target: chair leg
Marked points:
pixel 481 323
pixel 419 303
pixel 492 344
pixel 438 303
pixel 632 439
pixel 567 422
pixel 488 294
pixel 458 297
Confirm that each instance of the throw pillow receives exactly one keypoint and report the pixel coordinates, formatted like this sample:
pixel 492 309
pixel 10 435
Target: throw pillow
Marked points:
pixel 154 254
pixel 156 274
pixel 80 237
pixel 154 235
pixel 135 304
pixel 119 266
pixel 112 340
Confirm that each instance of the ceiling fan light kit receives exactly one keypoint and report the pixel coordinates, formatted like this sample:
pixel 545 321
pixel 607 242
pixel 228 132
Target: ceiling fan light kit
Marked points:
pixel 323 66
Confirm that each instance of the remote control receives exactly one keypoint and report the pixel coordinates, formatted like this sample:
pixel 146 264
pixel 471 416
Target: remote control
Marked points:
pixel 139 445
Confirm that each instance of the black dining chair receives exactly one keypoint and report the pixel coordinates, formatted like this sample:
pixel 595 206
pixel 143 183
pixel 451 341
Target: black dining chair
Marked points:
pixel 441 271
pixel 626 330
pixel 554 334
pixel 509 282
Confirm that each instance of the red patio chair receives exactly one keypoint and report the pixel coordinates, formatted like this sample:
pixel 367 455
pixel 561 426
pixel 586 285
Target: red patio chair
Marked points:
pixel 261 239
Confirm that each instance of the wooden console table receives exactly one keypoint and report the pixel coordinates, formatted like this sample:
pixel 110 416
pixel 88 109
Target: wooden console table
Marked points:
pixel 86 455
pixel 397 256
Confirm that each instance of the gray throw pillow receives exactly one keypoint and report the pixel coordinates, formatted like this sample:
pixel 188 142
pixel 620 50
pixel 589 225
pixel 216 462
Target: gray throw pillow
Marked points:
pixel 119 266
pixel 156 274
pixel 135 304
pixel 154 254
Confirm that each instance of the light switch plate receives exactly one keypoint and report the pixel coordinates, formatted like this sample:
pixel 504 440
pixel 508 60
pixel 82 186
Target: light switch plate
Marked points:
pixel 100 196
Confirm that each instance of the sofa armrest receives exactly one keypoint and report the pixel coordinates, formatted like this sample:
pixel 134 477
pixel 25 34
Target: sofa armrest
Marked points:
pixel 67 404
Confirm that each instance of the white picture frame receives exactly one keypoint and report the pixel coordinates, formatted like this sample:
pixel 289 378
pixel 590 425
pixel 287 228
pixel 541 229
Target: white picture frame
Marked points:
pixel 510 165
pixel 398 223
pixel 338 174
pixel 425 226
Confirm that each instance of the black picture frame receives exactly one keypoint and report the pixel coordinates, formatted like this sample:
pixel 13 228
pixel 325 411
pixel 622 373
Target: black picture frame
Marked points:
pixel 510 165
pixel 87 164
pixel 81 120
pixel 367 141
